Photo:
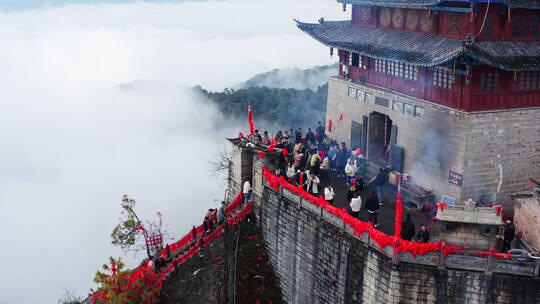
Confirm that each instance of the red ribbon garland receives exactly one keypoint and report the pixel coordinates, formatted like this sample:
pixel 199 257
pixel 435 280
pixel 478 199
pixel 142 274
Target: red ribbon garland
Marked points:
pixel 359 227
pixel 399 216
pixel 250 121
pixel 146 279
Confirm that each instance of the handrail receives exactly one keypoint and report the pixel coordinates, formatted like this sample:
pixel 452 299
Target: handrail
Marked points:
pixel 366 233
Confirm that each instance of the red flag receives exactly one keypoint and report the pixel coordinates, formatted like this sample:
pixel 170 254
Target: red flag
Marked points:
pixel 330 125
pixel 399 215
pixel 250 121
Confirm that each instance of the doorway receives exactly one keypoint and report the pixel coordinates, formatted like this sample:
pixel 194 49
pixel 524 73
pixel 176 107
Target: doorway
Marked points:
pixel 379 135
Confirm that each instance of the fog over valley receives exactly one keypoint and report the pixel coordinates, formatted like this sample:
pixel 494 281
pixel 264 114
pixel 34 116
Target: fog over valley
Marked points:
pixel 96 103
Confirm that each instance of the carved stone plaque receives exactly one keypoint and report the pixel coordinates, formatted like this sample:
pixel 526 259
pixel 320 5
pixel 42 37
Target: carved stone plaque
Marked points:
pixel 384 17
pixel 397 18
pixel 426 23
pixel 366 14
pixel 412 19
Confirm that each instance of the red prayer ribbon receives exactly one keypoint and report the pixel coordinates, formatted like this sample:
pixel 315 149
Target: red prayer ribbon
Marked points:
pixel 399 216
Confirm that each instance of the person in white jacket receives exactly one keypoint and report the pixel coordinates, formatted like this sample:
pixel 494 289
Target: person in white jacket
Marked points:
pixel 350 170
pixel 312 184
pixel 329 194
pixel 247 191
pixel 291 173
pixel 356 205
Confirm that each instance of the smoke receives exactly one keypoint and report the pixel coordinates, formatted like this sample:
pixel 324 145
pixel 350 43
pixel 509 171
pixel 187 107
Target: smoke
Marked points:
pixel 429 160
pixel 74 140
pixel 293 78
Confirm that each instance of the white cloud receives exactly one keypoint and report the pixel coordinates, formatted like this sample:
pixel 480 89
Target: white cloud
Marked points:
pixel 72 144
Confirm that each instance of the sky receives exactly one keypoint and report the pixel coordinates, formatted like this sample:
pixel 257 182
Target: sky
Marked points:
pixel 74 140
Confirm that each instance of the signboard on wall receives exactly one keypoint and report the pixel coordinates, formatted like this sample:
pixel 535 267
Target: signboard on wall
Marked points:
pixel 449 200
pixel 455 178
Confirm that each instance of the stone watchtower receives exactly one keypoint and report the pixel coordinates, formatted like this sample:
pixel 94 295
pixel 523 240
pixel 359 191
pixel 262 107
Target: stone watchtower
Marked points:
pixel 447 91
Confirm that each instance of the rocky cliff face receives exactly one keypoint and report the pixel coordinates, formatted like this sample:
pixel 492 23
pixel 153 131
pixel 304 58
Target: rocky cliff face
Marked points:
pixel 211 277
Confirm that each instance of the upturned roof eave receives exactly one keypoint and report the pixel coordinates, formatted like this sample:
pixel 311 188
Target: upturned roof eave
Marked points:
pixel 527 4
pixel 479 51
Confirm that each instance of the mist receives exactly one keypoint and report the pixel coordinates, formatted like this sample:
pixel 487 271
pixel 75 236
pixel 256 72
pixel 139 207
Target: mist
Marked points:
pixel 74 139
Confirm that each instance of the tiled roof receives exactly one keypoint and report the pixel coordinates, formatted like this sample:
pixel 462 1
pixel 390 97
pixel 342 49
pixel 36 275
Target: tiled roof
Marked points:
pixel 507 55
pixel 393 3
pixel 482 216
pixel 422 49
pixel 531 4
pixel 413 48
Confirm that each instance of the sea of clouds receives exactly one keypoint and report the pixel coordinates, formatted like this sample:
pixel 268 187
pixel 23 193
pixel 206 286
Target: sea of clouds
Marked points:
pixel 73 140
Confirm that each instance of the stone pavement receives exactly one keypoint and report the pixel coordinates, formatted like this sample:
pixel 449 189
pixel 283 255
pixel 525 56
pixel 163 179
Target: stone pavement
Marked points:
pixel 387 212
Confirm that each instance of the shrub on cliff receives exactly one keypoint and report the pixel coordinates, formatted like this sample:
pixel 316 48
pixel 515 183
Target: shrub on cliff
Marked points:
pixel 119 286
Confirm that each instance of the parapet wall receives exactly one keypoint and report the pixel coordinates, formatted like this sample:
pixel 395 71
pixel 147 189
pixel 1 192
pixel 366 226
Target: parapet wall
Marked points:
pixel 319 260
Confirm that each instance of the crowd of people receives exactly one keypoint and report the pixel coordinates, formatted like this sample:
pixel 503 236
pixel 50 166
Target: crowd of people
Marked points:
pixel 317 163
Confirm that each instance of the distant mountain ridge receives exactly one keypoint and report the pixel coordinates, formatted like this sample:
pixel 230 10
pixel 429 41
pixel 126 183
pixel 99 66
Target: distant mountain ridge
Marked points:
pixel 292 78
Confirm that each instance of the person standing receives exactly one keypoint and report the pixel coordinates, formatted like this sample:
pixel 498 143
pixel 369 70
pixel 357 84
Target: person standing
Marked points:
pixel 379 182
pixel 256 137
pixel 325 169
pixel 341 159
pixel 350 170
pixel 313 184
pixel 407 228
pixel 423 234
pixel 315 163
pixel 329 194
pixel 310 136
pixel 221 213
pixel 372 206
pixel 291 172
pixel 352 192
pixel 247 191
pixel 320 132
pixel 509 234
pixel 356 205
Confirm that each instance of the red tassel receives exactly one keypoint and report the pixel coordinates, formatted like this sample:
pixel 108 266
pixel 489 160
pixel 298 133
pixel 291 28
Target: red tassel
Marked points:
pixel 340 116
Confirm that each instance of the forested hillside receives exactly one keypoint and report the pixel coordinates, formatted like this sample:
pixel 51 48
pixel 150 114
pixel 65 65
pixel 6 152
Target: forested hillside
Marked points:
pixel 284 107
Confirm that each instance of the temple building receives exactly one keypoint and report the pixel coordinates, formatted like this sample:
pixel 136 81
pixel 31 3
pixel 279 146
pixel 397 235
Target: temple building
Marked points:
pixel 448 92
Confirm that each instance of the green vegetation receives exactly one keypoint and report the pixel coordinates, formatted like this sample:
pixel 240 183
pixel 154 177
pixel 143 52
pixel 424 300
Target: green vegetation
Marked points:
pixel 290 108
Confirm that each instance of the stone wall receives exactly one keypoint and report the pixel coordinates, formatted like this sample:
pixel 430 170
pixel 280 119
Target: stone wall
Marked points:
pixel 488 149
pixel 502 147
pixel 240 168
pixel 318 260
pixel 527 219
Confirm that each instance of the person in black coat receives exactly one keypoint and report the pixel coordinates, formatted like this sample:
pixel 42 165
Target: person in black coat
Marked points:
pixel 320 132
pixel 407 228
pixel 372 206
pixel 423 235
pixel 509 234
pixel 310 136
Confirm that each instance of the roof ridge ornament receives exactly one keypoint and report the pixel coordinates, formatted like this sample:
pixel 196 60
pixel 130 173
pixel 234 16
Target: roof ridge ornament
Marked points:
pixel 469 40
